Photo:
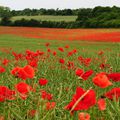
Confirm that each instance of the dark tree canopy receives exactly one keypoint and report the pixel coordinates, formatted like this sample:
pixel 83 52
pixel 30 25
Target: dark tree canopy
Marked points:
pixel 5 15
pixel 5 12
pixel 98 17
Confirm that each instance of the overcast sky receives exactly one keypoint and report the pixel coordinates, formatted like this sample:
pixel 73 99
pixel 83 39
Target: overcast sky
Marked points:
pixel 61 4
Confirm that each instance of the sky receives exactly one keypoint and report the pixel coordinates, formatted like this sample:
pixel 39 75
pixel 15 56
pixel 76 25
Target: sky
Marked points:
pixel 61 4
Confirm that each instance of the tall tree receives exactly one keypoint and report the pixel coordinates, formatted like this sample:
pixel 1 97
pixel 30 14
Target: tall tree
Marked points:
pixel 5 15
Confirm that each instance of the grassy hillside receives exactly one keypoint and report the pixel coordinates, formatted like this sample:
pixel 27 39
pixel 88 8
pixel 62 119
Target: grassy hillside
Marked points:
pixel 47 18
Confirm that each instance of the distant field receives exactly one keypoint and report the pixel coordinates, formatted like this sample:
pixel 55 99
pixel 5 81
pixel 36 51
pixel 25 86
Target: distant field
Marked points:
pixel 47 18
pixel 102 35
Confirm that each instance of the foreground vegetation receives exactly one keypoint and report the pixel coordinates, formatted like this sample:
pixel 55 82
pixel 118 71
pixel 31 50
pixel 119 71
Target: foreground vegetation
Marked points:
pixel 46 89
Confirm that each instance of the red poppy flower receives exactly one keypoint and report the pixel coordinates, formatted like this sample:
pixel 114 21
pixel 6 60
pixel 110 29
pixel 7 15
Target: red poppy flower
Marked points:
pixel 23 89
pixel 2 70
pixel 70 53
pixel 67 46
pixel 23 73
pixel 85 61
pixel 40 52
pixel 102 66
pixel 31 55
pixel 49 50
pixel 17 56
pixel 54 53
pixel 101 80
pixel 50 105
pixel 100 52
pixel 85 103
pixel 74 51
pixel 5 62
pixel 47 44
pixel 87 74
pixel 46 95
pixel 32 113
pixel 83 116
pixel 61 49
pixel 33 63
pixel 70 65
pixel 79 72
pixel 15 70
pixel 113 93
pixel 80 58
pixel 29 71
pixel 6 94
pixel 101 104
pixel 114 76
pixel 62 61
pixel 82 75
pixel 43 81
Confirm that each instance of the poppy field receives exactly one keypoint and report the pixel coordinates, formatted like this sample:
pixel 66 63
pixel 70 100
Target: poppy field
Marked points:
pixel 96 35
pixel 59 78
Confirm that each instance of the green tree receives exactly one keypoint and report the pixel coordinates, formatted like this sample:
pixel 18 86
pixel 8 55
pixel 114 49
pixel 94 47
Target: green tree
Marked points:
pixel 27 12
pixel 4 12
pixel 5 15
pixel 84 14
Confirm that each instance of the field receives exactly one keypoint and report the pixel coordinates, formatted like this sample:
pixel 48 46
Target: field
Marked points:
pixel 59 74
pixel 47 18
pixel 101 35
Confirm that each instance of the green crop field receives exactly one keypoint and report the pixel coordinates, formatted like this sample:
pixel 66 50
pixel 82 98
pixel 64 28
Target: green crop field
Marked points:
pixel 56 63
pixel 47 18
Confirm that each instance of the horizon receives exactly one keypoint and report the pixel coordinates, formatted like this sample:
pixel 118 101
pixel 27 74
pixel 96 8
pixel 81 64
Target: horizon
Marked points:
pixel 60 4
pixel 59 8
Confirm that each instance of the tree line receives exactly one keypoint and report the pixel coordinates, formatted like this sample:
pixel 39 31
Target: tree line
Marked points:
pixel 98 17
pixel 43 11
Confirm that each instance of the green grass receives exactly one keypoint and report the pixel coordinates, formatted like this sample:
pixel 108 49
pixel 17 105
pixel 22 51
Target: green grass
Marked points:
pixel 34 44
pixel 47 18
pixel 59 78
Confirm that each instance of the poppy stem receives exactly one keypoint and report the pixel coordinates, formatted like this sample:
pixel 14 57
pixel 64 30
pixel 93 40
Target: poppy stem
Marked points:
pixel 76 103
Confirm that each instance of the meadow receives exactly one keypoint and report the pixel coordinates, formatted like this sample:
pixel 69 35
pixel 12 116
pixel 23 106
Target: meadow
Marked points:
pixel 96 35
pixel 46 18
pixel 59 74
